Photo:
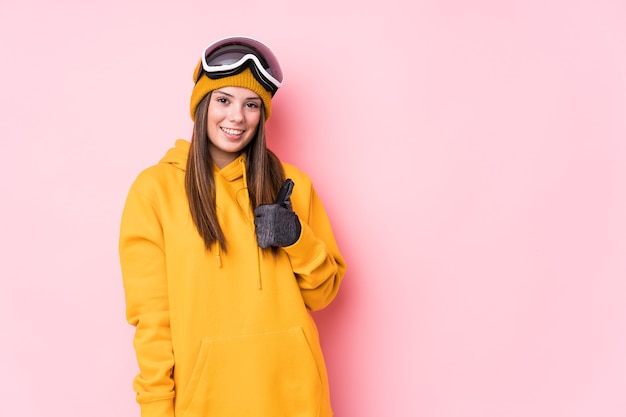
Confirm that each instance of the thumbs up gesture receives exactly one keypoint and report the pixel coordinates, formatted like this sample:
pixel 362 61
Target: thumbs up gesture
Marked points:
pixel 277 224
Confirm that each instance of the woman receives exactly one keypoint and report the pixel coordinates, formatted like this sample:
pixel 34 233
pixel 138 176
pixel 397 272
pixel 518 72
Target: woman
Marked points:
pixel 224 250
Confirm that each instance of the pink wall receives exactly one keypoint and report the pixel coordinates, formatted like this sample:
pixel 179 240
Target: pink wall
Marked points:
pixel 472 157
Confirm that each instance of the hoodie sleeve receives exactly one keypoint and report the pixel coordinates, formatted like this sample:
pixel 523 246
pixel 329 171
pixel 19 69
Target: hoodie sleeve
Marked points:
pixel 315 257
pixel 145 285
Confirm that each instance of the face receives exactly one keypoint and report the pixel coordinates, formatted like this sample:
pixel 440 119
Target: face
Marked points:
pixel 233 117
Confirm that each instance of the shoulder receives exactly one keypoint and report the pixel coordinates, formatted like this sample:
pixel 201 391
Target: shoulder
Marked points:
pixel 149 177
pixel 157 180
pixel 303 191
pixel 297 175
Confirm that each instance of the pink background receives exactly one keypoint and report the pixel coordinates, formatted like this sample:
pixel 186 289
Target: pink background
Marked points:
pixel 471 155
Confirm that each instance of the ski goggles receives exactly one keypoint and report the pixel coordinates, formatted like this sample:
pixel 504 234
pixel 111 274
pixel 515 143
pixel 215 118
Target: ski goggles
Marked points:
pixel 230 56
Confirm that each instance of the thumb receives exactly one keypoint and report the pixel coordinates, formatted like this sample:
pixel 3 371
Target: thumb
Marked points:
pixel 285 193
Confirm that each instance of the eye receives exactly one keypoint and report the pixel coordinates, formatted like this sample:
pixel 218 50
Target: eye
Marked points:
pixel 252 105
pixel 222 100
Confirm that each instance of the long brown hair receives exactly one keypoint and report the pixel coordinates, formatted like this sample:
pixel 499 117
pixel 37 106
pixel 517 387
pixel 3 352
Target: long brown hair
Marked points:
pixel 264 173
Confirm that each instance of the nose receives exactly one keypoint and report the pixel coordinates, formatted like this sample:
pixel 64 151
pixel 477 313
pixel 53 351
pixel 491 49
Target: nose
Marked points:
pixel 235 114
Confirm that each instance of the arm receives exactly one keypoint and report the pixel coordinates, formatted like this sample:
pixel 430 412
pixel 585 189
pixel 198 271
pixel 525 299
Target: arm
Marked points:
pixel 315 257
pixel 145 284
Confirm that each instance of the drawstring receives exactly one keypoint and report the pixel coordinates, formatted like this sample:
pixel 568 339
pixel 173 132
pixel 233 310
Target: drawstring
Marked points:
pixel 258 256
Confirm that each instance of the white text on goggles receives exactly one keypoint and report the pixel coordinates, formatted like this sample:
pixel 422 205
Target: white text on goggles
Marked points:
pixel 232 59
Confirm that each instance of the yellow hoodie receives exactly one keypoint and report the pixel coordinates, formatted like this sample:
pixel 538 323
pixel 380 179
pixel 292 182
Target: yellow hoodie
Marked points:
pixel 225 334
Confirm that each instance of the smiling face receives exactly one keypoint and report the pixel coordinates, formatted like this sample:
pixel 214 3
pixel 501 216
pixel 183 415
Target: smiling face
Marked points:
pixel 232 120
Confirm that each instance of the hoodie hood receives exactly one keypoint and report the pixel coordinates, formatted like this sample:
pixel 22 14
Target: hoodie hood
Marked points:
pixel 177 156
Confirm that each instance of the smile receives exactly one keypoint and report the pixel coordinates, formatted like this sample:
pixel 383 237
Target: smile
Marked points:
pixel 233 132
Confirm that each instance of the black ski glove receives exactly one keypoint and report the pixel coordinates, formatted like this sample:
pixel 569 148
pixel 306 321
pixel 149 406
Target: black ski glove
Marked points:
pixel 277 224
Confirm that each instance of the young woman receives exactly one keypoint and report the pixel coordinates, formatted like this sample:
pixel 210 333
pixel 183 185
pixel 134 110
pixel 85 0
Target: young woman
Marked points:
pixel 224 251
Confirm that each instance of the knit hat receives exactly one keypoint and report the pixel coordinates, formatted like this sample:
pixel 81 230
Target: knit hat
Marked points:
pixel 244 79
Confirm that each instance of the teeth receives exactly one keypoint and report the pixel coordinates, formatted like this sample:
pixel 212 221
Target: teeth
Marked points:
pixel 232 131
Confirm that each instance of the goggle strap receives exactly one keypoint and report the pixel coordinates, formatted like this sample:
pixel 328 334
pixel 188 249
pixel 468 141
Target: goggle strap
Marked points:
pixel 258 75
pixel 248 57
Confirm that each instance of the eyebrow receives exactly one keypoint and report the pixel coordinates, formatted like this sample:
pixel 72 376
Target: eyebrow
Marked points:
pixel 230 95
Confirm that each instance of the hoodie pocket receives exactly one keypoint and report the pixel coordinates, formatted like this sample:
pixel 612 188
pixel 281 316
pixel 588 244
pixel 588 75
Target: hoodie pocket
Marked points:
pixel 268 374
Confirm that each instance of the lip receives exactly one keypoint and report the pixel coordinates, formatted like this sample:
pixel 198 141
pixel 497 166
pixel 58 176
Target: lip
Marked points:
pixel 232 132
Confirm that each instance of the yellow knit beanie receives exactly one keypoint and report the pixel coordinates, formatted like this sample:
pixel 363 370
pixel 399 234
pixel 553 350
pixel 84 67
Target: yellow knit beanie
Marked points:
pixel 244 79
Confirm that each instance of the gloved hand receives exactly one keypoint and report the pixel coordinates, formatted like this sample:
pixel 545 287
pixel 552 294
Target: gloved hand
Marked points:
pixel 277 224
